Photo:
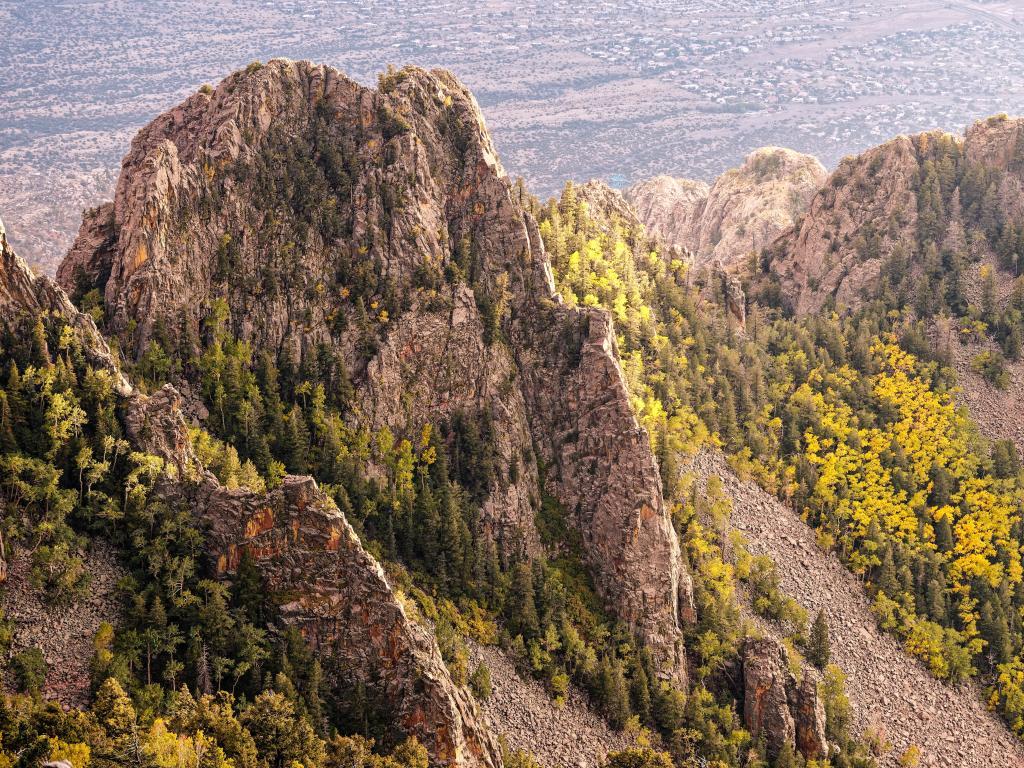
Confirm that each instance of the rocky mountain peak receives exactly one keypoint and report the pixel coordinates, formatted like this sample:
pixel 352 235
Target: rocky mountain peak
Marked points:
pixel 606 204
pixel 742 211
pixel 270 135
pixel 996 142
pixel 891 201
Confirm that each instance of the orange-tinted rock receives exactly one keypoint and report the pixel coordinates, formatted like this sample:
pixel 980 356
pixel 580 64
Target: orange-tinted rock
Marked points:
pixel 777 709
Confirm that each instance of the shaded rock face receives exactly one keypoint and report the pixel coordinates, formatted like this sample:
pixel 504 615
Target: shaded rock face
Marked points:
pixel 311 560
pixel 418 209
pixel 85 265
pixel 775 707
pixel 745 209
pixel 810 719
pixel 336 594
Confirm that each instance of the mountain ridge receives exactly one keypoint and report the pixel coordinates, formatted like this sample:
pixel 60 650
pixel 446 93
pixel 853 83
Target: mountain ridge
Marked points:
pixel 345 283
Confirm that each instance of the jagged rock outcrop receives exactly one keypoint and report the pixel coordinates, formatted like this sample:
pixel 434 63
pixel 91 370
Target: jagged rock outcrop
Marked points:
pixel 601 468
pixel 998 142
pixel 380 223
pixel 607 204
pixel 777 708
pixel 745 209
pixel 311 561
pixel 823 258
pixel 766 693
pixel 732 292
pixel 810 718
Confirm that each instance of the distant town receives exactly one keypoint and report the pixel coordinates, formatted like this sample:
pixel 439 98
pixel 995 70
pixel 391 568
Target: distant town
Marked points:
pixel 569 90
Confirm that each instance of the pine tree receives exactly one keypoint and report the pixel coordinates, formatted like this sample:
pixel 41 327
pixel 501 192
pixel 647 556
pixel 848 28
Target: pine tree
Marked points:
pixel 727 413
pixel 944 534
pixel 7 442
pixel 818 651
pixel 428 520
pixel 40 349
pixel 887 582
pixel 640 692
pixel 522 604
pixel 248 593
pixel 296 442
pixel 614 693
pixel 204 682
pixel 996 632
pixel 936 601
pixel 788 757
pixel 453 535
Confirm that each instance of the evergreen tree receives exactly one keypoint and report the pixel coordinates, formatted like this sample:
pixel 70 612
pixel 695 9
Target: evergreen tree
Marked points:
pixel 640 691
pixel 521 610
pixel 818 651
pixel 613 693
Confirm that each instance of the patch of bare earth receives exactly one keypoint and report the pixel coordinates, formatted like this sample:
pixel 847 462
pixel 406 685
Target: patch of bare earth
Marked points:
pixel 64 632
pixel 521 710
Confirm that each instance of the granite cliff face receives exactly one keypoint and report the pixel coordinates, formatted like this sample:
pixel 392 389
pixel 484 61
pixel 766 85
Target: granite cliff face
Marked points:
pixel 311 560
pixel 381 224
pixel 745 209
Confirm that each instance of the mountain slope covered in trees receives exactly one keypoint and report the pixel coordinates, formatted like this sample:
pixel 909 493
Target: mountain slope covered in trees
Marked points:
pixel 498 401
pixel 847 419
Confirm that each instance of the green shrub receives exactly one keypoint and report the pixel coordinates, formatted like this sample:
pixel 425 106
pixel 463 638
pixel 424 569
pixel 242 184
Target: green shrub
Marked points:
pixel 29 668
pixel 480 682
